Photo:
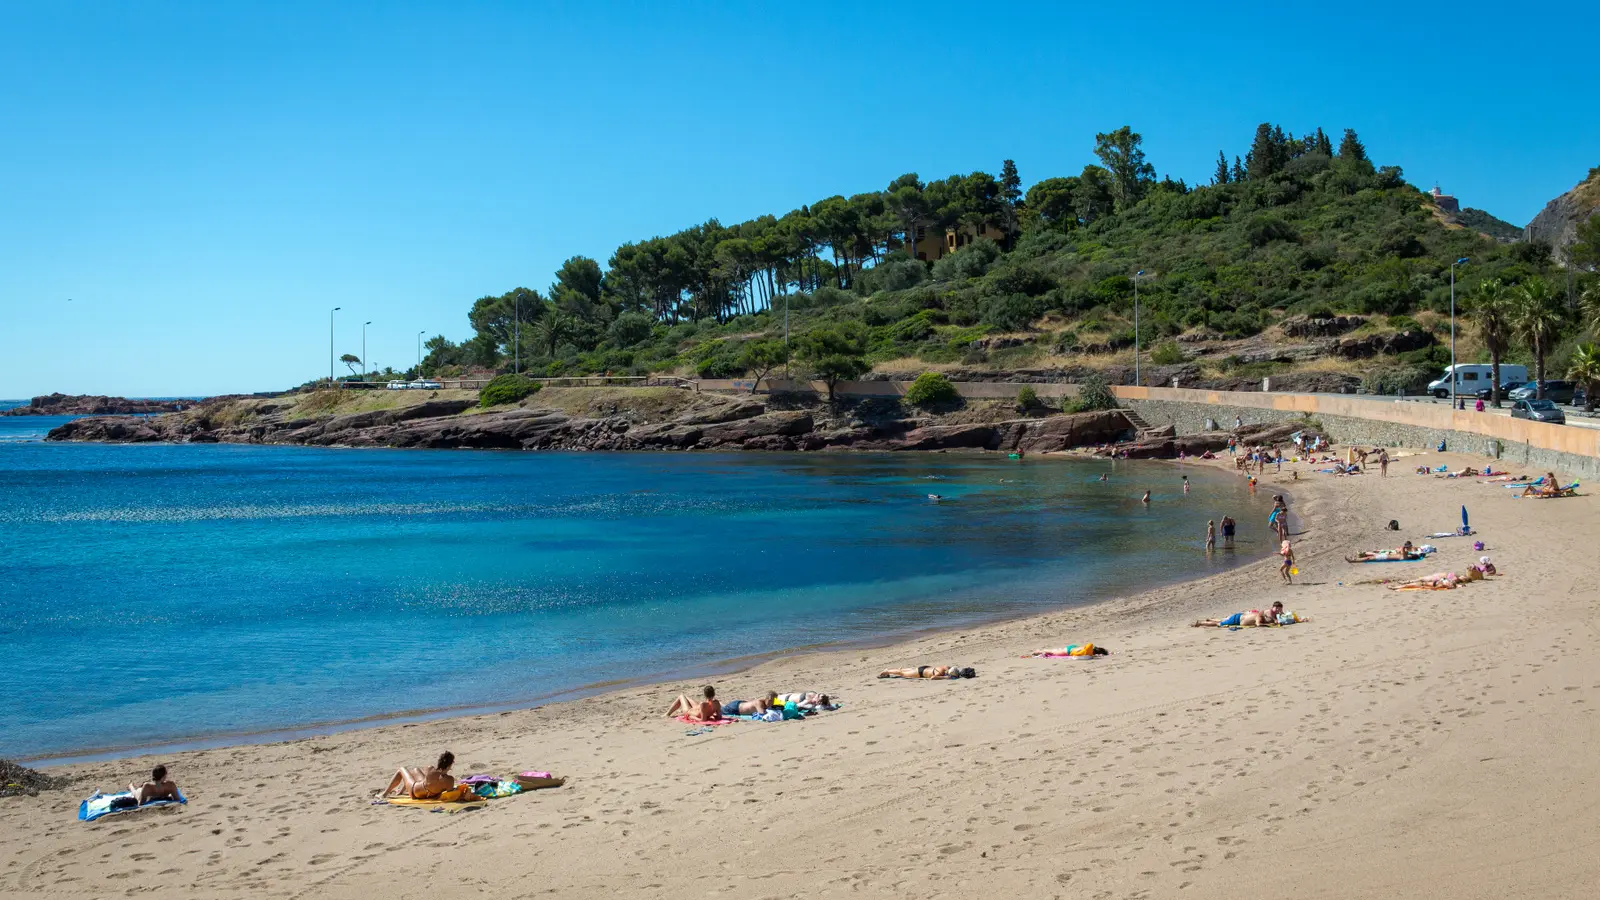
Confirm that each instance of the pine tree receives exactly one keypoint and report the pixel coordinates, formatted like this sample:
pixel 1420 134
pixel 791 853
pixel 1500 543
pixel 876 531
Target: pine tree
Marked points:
pixel 1351 148
pixel 1322 144
pixel 1221 177
pixel 1010 183
pixel 1265 156
pixel 1238 169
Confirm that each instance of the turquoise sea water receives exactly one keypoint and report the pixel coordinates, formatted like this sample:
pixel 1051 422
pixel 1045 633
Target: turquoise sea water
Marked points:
pixel 153 594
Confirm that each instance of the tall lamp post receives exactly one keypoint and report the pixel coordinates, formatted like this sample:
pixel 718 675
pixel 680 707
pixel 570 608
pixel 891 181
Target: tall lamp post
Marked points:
pixel 364 350
pixel 1455 376
pixel 330 343
pixel 1136 350
pixel 419 351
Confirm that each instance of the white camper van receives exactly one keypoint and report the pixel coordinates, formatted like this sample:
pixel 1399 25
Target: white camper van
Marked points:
pixel 1470 378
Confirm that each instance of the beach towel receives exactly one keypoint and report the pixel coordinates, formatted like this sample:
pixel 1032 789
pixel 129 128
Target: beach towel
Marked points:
pixel 100 805
pixel 691 720
pixel 1071 651
pixel 446 806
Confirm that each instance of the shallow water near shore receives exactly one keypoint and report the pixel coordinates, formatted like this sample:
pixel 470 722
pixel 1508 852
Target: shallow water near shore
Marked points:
pixel 155 593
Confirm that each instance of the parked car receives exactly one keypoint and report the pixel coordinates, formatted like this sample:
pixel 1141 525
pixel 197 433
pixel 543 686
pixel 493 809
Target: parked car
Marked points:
pixel 1559 391
pixel 1538 411
pixel 399 385
pixel 1580 397
pixel 1505 391
pixel 424 385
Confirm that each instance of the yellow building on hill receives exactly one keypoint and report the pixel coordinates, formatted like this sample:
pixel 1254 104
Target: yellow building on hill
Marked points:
pixel 931 246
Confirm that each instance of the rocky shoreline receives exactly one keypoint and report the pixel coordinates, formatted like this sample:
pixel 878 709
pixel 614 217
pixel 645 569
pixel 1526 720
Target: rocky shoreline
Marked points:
pixel 712 422
pixel 95 405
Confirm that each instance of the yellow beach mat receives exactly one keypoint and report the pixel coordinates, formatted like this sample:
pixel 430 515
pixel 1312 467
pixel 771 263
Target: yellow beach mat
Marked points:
pixel 449 806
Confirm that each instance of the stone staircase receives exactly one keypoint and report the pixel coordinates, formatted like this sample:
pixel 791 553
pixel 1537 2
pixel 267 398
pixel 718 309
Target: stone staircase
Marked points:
pixel 1144 429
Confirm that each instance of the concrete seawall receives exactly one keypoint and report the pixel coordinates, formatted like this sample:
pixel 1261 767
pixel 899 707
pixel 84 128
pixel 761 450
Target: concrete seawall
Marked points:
pixel 1349 419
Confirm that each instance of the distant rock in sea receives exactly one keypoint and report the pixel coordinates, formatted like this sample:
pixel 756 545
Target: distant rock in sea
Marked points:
pixel 92 405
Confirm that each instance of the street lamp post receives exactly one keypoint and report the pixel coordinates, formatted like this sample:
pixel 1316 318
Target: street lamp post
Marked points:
pixel 1136 349
pixel 330 343
pixel 1455 376
pixel 364 350
pixel 419 351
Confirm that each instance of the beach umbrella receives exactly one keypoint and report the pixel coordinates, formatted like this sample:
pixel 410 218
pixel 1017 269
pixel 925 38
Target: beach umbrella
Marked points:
pixel 1464 526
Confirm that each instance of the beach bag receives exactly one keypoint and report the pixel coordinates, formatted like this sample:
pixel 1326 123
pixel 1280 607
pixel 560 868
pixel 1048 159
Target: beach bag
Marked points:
pixel 791 711
pixel 121 803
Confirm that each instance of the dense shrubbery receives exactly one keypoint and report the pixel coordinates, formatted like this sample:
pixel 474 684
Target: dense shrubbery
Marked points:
pixel 1093 393
pixel 1167 353
pixel 507 389
pixel 1027 398
pixel 930 389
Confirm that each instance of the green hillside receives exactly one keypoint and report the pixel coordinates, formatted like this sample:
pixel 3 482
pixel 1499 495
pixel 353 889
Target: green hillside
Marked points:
pixel 1292 226
pixel 1493 226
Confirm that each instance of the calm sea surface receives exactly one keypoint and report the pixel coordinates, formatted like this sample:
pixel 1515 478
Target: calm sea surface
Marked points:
pixel 153 594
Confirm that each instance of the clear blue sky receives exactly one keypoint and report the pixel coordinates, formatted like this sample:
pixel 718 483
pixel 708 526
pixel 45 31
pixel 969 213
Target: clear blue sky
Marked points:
pixel 206 180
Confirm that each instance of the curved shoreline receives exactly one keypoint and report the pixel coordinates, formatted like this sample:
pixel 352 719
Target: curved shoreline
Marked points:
pixel 718 666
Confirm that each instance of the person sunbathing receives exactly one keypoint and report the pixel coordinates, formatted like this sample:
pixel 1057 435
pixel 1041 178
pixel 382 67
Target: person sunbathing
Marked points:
pixel 1071 650
pixel 1404 552
pixel 732 708
pixel 1250 618
pixel 1439 580
pixel 804 700
pixel 1546 487
pixel 159 787
pixel 930 672
pixel 432 783
pixel 707 710
pixel 1467 472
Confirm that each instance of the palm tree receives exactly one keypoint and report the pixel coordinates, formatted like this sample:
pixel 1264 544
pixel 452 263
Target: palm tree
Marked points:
pixel 1590 304
pixel 1538 319
pixel 1585 370
pixel 1493 313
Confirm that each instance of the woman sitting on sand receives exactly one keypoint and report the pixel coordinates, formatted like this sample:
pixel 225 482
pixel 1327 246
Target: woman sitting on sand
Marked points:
pixel 1250 618
pixel 707 710
pixel 1547 487
pixel 1080 651
pixel 433 783
pixel 930 672
pixel 159 787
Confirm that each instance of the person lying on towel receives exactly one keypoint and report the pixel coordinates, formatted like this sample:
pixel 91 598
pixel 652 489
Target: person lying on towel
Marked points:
pixel 930 672
pixel 432 783
pixel 159 787
pixel 1078 650
pixel 1405 552
pixel 804 700
pixel 1250 618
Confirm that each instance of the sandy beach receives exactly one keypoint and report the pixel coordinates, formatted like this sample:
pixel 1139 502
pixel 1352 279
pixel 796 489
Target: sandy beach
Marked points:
pixel 1427 744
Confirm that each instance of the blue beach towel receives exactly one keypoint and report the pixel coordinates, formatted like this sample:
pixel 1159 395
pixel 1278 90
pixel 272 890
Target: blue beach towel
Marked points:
pixel 100 805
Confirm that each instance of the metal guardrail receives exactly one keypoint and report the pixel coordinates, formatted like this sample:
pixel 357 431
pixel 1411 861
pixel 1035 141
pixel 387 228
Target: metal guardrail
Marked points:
pixel 472 384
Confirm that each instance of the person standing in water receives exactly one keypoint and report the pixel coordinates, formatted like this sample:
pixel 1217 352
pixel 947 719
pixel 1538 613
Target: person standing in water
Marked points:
pixel 1227 531
pixel 1186 484
pixel 1211 535
pixel 1145 499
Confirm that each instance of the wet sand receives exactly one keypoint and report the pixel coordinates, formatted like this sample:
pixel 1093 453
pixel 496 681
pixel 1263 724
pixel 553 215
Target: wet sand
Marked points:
pixel 1422 744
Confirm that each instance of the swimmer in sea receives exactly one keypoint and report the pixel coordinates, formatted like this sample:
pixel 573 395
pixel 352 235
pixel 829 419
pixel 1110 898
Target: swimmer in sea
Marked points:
pixel 1145 499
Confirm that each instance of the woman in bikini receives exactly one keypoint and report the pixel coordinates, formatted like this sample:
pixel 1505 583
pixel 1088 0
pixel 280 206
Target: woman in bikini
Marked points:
pixel 432 783
pixel 930 672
